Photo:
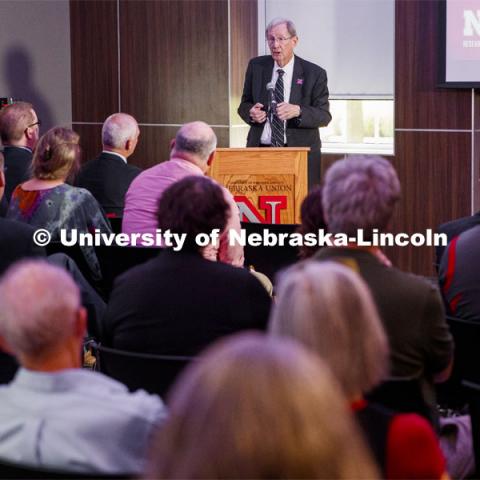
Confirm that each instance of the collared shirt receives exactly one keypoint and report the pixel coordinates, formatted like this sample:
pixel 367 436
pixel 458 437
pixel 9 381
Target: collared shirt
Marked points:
pixel 76 420
pixel 287 86
pixel 19 146
pixel 115 153
pixel 141 204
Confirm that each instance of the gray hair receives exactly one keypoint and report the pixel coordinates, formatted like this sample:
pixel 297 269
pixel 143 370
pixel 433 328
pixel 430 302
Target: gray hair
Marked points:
pixel 118 129
pixel 196 138
pixel 279 21
pixel 360 192
pixel 39 303
pixel 328 308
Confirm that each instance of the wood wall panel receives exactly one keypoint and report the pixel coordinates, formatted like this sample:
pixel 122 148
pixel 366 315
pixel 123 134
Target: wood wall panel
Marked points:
pixel 154 144
pixel 93 31
pixel 434 171
pixel 90 140
pixel 174 60
pixel 419 104
pixel 244 46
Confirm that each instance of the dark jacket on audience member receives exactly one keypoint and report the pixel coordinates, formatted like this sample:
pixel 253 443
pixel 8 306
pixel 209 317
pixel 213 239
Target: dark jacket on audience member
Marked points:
pixel 178 303
pixel 108 177
pixel 18 161
pixel 453 229
pixel 16 242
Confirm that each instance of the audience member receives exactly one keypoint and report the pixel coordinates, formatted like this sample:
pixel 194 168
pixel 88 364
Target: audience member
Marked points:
pixel 180 302
pixel 16 242
pixel 16 238
pixel 459 275
pixel 19 131
pixel 453 229
pixel 46 201
pixel 108 176
pixel 328 308
pixel 360 193
pixel 311 213
pixel 253 407
pixel 192 152
pixel 54 414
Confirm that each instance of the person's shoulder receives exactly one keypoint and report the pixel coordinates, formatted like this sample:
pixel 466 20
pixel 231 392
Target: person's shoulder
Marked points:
pixel 20 228
pixel 262 60
pixel 139 403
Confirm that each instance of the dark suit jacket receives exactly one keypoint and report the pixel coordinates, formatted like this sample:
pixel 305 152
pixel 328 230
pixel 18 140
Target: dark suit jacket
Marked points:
pixel 107 178
pixel 454 228
pixel 17 162
pixel 16 242
pixel 178 303
pixel 309 90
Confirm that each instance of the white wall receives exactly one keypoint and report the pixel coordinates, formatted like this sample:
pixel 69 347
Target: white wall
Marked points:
pixel 35 57
pixel 352 39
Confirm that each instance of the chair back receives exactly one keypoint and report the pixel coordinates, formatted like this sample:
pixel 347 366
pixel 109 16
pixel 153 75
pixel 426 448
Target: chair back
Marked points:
pixel 269 259
pixel 403 395
pixel 115 260
pixel 153 373
pixel 466 335
pixel 12 470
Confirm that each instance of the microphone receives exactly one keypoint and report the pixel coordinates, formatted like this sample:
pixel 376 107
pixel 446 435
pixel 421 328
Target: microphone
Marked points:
pixel 272 102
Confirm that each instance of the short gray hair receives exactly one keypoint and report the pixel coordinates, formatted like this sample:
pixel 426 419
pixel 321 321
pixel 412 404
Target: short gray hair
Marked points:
pixel 196 138
pixel 328 308
pixel 279 21
pixel 118 129
pixel 360 192
pixel 39 304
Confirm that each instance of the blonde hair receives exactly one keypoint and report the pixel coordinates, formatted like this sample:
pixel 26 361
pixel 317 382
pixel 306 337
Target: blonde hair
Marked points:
pixel 257 407
pixel 14 120
pixel 57 155
pixel 328 308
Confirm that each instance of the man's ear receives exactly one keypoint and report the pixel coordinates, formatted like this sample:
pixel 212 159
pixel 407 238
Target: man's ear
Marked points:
pixel 172 144
pixel 81 322
pixel 4 346
pixel 211 158
pixel 128 145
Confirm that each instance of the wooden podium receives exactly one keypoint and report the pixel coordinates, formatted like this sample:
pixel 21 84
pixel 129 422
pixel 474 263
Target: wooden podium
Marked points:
pixel 268 184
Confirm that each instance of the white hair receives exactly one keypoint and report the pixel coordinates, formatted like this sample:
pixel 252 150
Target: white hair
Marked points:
pixel 118 129
pixel 280 21
pixel 360 192
pixel 39 305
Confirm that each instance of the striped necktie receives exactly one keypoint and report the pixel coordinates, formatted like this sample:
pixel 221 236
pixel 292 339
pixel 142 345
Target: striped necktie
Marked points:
pixel 278 129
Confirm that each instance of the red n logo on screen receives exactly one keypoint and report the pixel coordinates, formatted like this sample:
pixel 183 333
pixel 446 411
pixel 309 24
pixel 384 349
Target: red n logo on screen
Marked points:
pixel 272 205
pixel 471 23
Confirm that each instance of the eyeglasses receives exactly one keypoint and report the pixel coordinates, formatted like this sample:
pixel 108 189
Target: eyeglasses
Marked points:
pixel 38 122
pixel 280 40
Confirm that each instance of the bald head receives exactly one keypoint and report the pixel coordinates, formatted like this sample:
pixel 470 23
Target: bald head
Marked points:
pixel 195 139
pixel 40 303
pixel 120 133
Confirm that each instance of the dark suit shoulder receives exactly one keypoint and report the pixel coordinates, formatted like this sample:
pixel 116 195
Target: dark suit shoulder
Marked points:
pixel 263 60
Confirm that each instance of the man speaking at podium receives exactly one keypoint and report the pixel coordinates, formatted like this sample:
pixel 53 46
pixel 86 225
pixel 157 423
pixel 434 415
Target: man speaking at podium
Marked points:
pixel 285 98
